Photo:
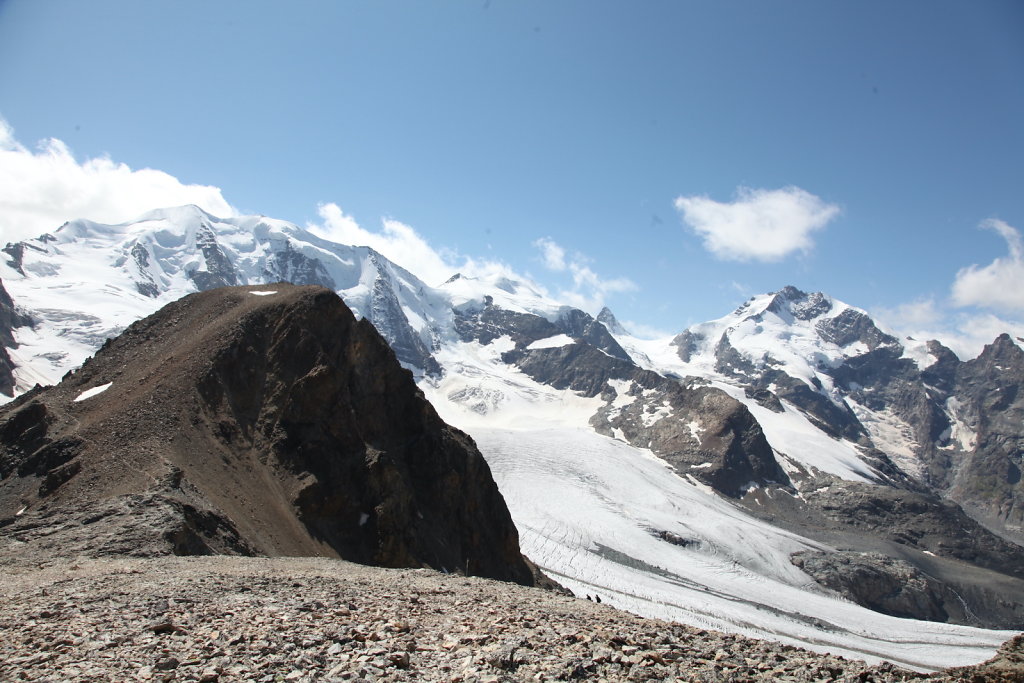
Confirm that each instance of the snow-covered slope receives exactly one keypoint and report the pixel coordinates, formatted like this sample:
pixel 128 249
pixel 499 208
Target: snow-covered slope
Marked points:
pixel 603 452
pixel 86 281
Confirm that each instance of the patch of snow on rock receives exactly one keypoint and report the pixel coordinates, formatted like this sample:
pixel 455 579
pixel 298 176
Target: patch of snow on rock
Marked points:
pixel 555 342
pixel 658 414
pixel 89 393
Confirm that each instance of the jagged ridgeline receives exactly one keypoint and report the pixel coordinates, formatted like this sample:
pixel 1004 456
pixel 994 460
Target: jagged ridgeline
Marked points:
pixel 256 421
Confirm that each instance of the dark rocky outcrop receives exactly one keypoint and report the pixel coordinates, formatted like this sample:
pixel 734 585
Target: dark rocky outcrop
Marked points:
pixel 387 315
pixel 581 326
pixel 853 326
pixel 895 586
pixel 940 564
pixel 608 319
pixel 219 272
pixel 145 284
pixel 701 431
pixel 10 318
pixel 488 322
pixel 990 401
pixel 235 423
pixel 803 306
pixel 291 265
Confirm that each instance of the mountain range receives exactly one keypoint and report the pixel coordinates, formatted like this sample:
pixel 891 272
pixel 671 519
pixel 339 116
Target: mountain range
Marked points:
pixel 790 470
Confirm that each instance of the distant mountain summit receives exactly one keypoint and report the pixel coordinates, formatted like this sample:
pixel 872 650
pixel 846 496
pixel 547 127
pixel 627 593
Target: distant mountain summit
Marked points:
pixel 254 420
pixel 914 414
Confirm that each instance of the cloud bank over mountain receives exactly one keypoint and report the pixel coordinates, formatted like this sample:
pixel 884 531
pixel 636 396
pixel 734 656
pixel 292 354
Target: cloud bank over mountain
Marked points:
pixel 42 189
pixel 1000 284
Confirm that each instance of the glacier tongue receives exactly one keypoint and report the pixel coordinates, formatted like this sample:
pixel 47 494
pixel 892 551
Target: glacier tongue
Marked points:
pixel 594 512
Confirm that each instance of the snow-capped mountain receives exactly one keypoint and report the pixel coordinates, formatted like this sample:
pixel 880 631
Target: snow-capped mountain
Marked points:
pixel 905 413
pixel 86 281
pixel 675 477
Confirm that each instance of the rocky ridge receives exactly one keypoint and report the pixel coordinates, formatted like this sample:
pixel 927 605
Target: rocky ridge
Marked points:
pixel 264 421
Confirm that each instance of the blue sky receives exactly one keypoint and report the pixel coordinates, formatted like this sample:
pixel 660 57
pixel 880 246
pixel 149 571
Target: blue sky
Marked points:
pixel 677 156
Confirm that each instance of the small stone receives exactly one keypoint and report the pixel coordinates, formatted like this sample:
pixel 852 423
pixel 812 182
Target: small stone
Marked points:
pixel 399 659
pixel 166 664
pixel 162 626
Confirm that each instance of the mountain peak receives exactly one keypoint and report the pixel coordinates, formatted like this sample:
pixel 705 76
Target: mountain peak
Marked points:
pixel 799 304
pixel 184 213
pixel 608 319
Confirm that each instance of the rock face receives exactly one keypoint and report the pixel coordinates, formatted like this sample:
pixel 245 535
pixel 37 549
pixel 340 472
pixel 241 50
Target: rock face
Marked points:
pixel 903 553
pixel 237 423
pixel 9 319
pixel 897 587
pixel 989 397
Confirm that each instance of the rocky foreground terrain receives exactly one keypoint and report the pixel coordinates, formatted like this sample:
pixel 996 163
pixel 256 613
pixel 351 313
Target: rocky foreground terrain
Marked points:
pixel 317 619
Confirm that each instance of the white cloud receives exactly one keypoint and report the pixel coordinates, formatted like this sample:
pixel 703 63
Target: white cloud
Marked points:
pixel 918 314
pixel 406 247
pixel 965 332
pixel 589 291
pixel 396 240
pixel 552 253
pixel 40 190
pixel 1000 284
pixel 644 331
pixel 759 225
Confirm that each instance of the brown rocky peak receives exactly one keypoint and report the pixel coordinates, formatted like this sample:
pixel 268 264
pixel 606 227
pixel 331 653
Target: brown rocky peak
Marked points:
pixel 251 420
